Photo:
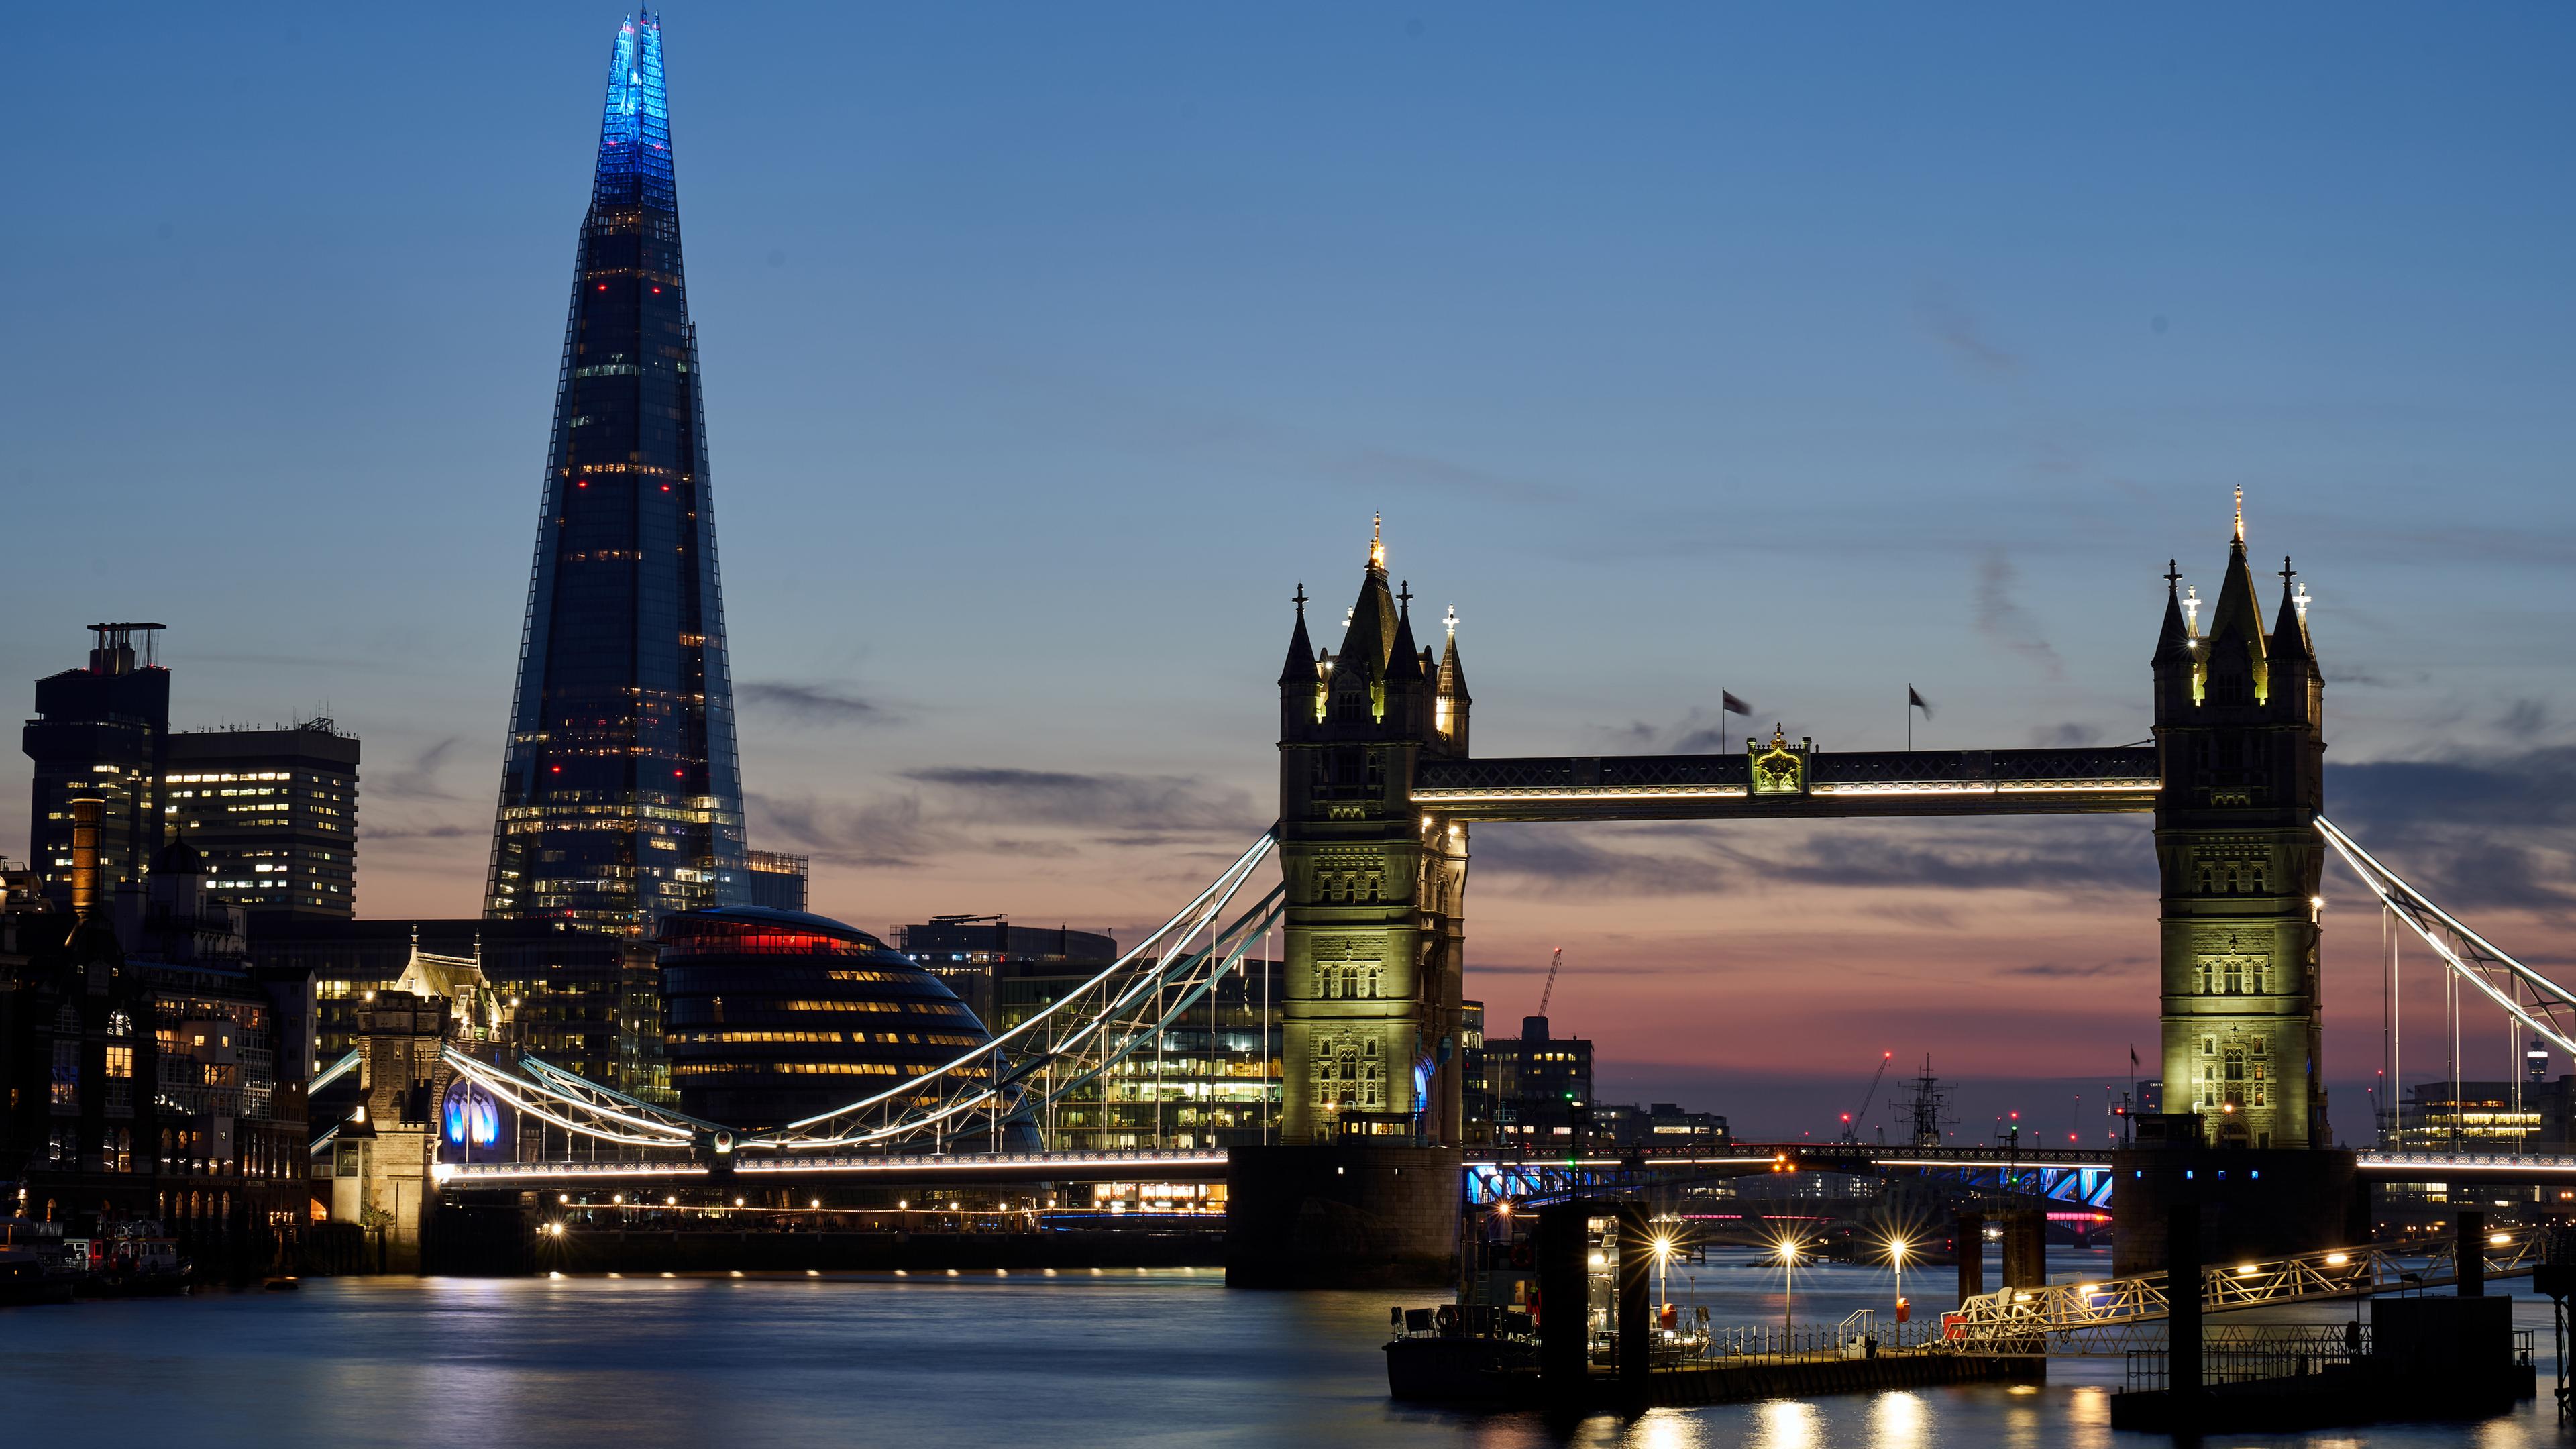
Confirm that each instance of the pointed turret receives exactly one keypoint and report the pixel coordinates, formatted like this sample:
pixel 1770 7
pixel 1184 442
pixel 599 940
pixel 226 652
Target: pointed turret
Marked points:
pixel 1449 690
pixel 2237 669
pixel 1403 656
pixel 2290 626
pixel 1300 668
pixel 2174 640
pixel 1370 639
pixel 2177 659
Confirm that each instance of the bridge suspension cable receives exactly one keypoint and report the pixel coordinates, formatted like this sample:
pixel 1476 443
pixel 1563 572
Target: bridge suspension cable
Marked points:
pixel 2470 957
pixel 1072 1043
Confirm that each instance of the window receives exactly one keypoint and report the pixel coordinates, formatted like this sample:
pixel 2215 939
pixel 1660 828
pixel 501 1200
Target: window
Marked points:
pixel 120 1061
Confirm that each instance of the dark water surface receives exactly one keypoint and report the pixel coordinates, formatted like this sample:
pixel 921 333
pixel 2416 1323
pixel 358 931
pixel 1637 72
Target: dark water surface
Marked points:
pixel 928 1361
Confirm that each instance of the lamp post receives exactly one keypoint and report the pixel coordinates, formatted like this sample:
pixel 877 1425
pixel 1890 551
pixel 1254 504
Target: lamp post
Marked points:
pixel 1897 1248
pixel 1788 1291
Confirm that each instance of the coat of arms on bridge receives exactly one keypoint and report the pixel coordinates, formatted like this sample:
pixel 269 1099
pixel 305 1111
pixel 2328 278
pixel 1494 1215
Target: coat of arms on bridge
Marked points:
pixel 1779 769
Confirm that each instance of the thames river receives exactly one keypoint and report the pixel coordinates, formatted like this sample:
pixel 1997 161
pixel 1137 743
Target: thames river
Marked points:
pixel 1168 1357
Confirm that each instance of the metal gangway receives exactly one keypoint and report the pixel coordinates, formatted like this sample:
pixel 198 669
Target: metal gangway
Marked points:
pixel 2117 1315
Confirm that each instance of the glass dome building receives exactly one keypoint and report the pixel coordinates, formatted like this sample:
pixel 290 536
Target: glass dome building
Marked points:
pixel 770 1016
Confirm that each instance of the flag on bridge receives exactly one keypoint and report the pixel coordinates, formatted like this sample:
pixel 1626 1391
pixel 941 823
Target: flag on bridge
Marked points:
pixel 1729 704
pixel 1915 700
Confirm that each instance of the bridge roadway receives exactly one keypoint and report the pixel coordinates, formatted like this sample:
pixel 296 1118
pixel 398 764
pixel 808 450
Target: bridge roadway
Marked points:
pixel 2074 1174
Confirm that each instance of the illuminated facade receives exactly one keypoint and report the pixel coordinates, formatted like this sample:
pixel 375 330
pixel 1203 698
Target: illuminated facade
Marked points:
pixel 620 798
pixel 769 1016
pixel 1375 924
pixel 273 814
pixel 2240 731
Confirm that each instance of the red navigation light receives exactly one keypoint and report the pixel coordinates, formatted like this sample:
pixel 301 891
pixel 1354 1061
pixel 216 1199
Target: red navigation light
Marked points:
pixel 2016 1116
pixel 584 483
pixel 1846 1116
pixel 657 291
pixel 666 487
pixel 675 774
pixel 603 286
pixel 558 769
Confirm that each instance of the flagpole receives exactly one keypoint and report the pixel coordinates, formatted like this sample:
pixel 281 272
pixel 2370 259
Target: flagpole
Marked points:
pixel 1909 719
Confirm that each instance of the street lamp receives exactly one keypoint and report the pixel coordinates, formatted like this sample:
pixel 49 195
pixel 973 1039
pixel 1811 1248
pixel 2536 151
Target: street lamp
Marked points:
pixel 1788 1255
pixel 1897 1247
pixel 1663 1272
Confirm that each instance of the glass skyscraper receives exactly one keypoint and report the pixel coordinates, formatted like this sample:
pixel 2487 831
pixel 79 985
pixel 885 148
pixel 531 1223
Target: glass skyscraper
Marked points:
pixel 620 797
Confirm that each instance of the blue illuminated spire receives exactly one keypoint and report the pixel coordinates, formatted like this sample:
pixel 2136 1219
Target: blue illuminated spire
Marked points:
pixel 635 133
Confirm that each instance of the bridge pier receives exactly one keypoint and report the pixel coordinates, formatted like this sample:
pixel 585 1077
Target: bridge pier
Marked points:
pixel 1342 1215
pixel 2251 1204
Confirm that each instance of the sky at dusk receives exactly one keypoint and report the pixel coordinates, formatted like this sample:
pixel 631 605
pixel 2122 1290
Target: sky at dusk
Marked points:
pixel 1803 354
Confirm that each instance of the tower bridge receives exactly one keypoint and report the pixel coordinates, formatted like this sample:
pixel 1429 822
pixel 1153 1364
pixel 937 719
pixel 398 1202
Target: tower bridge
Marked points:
pixel 1379 788
pixel 1379 791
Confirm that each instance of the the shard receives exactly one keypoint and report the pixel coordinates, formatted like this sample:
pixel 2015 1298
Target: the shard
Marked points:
pixel 620 796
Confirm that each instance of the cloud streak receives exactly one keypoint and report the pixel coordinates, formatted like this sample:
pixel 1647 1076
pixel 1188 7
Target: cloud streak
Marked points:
pixel 814 705
pixel 2002 619
pixel 1130 804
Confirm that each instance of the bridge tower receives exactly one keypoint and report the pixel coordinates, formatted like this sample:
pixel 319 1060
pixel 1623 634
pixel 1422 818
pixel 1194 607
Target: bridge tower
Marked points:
pixel 1371 1014
pixel 2240 736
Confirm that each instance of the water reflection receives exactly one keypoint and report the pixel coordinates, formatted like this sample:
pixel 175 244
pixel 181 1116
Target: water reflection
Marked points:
pixel 1157 1359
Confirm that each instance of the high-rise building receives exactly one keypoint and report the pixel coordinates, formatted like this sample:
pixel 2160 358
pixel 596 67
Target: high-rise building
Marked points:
pixel 272 813
pixel 620 798
pixel 100 733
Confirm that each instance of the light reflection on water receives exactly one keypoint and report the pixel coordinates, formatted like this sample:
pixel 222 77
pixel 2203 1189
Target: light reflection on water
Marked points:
pixel 929 1361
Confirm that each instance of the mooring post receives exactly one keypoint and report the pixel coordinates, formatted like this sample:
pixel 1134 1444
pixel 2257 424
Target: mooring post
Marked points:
pixel 2182 1310
pixel 1636 1275
pixel 2025 1248
pixel 2471 1252
pixel 1971 1237
pixel 1562 1311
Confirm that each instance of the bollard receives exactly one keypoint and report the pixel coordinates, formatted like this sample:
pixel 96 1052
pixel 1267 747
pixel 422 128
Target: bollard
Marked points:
pixel 2472 1253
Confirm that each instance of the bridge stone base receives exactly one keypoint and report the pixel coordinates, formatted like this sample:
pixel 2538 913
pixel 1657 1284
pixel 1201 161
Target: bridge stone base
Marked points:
pixel 1341 1216
pixel 2253 1203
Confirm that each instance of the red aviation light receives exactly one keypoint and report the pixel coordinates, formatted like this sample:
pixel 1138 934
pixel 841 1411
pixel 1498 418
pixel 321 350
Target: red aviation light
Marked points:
pixel 657 291
pixel 558 769
pixel 603 286
pixel 666 487
pixel 676 774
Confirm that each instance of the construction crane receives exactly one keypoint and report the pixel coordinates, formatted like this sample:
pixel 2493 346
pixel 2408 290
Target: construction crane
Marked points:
pixel 1851 1120
pixel 1549 990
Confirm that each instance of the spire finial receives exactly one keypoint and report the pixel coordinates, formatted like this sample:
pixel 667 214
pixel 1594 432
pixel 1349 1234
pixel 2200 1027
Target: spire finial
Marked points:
pixel 1404 595
pixel 2191 607
pixel 1377 544
pixel 2173 576
pixel 1452 621
pixel 1300 599
pixel 2287 573
pixel 2240 513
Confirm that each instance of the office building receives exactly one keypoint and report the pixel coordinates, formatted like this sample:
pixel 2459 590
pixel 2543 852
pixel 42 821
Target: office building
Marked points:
pixel 968 952
pixel 774 879
pixel 1542 1087
pixel 620 798
pixel 100 733
pixel 774 1016
pixel 273 813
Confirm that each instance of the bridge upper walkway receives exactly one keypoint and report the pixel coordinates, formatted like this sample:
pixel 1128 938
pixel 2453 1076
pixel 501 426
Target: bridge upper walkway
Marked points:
pixel 1839 784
